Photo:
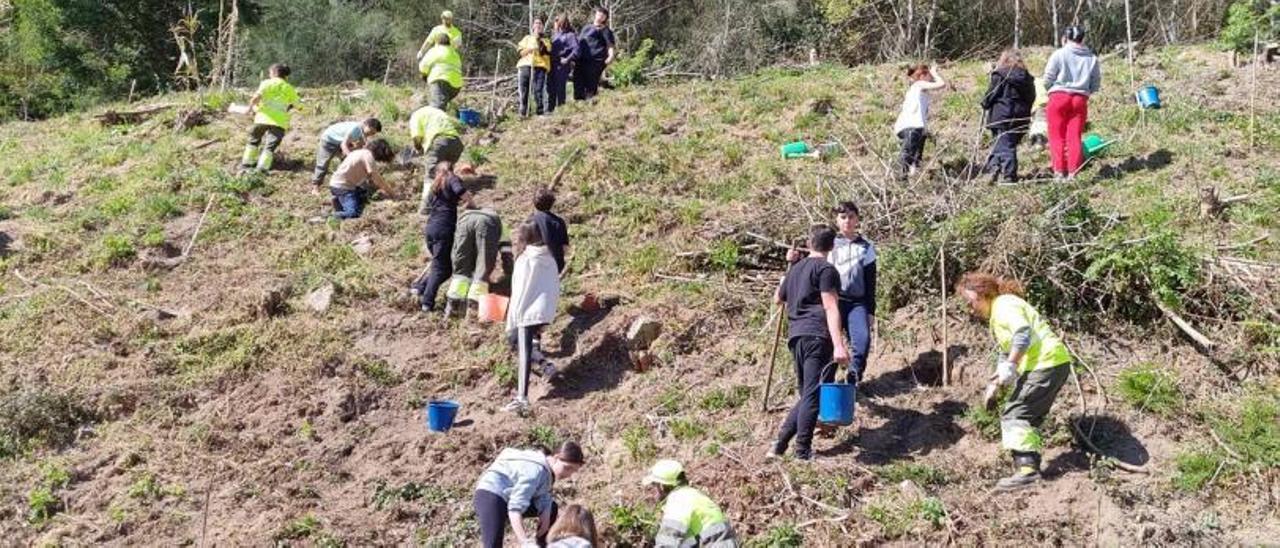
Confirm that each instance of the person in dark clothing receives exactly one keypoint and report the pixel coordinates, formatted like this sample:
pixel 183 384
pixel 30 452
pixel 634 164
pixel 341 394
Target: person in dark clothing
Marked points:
pixel 564 47
pixel 596 49
pixel 447 193
pixel 555 233
pixel 810 291
pixel 1008 101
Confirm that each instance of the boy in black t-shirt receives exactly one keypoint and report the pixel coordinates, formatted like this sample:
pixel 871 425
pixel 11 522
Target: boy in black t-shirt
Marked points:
pixel 555 233
pixel 810 291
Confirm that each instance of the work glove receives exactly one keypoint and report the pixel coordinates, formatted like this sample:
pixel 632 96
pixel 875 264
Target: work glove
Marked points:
pixel 990 396
pixel 1005 372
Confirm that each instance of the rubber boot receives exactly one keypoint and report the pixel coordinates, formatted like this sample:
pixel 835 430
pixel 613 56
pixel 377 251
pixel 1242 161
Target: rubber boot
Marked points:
pixel 1026 474
pixel 265 159
pixel 250 154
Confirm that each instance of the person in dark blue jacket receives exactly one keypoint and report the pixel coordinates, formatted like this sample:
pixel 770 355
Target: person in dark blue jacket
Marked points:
pixel 596 49
pixel 564 47
pixel 1008 101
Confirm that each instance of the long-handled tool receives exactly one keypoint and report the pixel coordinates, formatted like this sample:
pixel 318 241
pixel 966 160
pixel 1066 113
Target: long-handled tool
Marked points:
pixel 773 354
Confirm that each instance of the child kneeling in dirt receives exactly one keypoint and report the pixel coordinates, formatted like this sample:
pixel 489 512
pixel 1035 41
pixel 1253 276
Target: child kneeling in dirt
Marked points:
pixel 273 102
pixel 350 183
pixel 339 140
pixel 811 293
pixel 535 293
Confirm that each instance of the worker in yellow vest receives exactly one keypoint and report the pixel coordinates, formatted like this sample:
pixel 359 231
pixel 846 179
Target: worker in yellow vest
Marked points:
pixel 272 104
pixel 447 28
pixel 689 518
pixel 437 135
pixel 1033 360
pixel 441 67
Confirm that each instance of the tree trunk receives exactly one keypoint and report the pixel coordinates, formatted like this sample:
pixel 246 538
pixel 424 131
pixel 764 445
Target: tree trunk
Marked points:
pixel 1053 7
pixel 1017 24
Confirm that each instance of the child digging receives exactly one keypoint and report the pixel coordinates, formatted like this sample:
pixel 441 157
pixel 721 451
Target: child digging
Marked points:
pixel 911 125
pixel 535 293
pixel 273 102
pixel 810 291
pixel 339 140
pixel 350 183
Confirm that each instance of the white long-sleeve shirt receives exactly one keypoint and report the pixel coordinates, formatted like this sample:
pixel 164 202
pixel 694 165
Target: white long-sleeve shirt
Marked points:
pixel 915 105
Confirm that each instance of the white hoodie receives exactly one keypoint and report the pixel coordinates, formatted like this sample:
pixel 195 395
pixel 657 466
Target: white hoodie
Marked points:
pixel 535 289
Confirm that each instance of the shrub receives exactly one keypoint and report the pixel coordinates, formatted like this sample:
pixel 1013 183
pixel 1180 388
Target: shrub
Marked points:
pixel 114 250
pixel 31 418
pixel 921 474
pixel 1149 388
pixel 633 524
pixel 720 399
pixel 639 443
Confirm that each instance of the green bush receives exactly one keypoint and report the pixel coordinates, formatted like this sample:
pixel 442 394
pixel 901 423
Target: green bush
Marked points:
pixel 1245 20
pixel 36 417
pixel 629 69
pixel 1149 388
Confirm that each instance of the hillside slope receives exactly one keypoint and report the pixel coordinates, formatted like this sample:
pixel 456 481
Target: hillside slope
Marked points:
pixel 206 402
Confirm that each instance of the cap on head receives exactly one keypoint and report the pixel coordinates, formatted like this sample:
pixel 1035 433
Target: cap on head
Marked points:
pixel 665 472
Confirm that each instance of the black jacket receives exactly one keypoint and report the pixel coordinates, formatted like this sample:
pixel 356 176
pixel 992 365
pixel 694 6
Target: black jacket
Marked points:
pixel 1009 98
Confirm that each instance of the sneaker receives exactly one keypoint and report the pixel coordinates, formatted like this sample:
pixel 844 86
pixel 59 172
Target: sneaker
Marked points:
pixel 317 220
pixel 772 454
pixel 548 370
pixel 1021 479
pixel 518 406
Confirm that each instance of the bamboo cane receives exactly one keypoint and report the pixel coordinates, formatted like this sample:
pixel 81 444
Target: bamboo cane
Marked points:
pixel 773 355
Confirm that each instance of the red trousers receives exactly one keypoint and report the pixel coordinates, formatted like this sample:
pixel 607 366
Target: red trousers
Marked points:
pixel 1067 114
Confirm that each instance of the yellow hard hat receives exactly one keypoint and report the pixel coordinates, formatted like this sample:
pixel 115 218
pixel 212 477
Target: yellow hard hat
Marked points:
pixel 665 472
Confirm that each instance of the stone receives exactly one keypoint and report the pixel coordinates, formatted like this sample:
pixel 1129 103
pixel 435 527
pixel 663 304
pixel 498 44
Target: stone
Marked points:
pixel 320 299
pixel 362 245
pixel 642 333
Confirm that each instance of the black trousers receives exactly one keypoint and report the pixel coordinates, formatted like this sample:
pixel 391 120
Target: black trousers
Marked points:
pixel 539 88
pixel 557 85
pixel 440 243
pixel 912 148
pixel 491 513
pixel 1004 151
pixel 812 355
pixel 586 79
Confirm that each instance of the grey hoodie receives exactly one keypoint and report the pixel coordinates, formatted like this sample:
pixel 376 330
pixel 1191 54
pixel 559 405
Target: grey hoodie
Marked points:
pixel 521 477
pixel 1073 69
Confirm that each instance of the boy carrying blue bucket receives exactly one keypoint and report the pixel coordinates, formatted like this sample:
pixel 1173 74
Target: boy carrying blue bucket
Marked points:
pixel 811 293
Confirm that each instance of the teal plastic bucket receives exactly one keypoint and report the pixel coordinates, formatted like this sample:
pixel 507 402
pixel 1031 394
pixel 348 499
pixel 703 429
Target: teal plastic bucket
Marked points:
pixel 835 403
pixel 440 415
pixel 796 149
pixel 1149 97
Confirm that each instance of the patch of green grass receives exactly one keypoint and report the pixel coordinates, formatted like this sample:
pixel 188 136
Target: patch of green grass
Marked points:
pixel 1195 469
pixel 639 443
pixel 306 430
pixel 145 488
pixel 985 422
pixel 379 372
pixel 781 536
pixel 153 237
pixel 921 474
pixel 671 400
pixel 634 524
pixel 412 491
pixel 42 504
pixel 1147 387
pixel 31 418
pixel 720 399
pixel 687 429
pixel 544 436
pixel 114 250
pixel 897 517
pixel 228 350
pixel 644 260
pixel 724 255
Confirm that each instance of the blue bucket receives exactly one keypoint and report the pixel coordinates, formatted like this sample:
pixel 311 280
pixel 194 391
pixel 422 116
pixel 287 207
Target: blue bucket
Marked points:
pixel 1149 97
pixel 469 117
pixel 440 415
pixel 835 403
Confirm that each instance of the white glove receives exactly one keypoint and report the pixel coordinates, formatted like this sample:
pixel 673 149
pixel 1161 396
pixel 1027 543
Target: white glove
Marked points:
pixel 529 544
pixel 1005 372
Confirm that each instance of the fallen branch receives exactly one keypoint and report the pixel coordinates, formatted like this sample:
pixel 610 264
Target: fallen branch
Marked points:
pixel 564 167
pixel 113 117
pixel 186 251
pixel 65 289
pixel 1182 324
pixel 1242 245
pixel 1075 425
pixel 1224 446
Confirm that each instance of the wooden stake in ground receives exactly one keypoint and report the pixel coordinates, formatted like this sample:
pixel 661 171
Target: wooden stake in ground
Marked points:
pixel 773 354
pixel 1253 91
pixel 942 313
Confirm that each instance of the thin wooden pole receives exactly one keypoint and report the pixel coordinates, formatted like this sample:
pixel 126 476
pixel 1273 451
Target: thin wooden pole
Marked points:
pixel 942 314
pixel 773 355
pixel 1253 91
pixel 1017 24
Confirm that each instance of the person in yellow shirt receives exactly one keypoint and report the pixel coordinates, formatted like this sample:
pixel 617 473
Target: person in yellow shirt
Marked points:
pixel 689 517
pixel 441 67
pixel 272 103
pixel 447 28
pixel 535 62
pixel 438 135
pixel 1033 359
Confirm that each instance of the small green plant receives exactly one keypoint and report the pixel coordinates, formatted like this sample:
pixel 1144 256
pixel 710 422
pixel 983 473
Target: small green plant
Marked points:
pixel 408 492
pixel 671 401
pixel 896 516
pixel 379 372
pixel 921 474
pixel 687 429
pixel 300 528
pixel 145 488
pixel 1148 388
pixel 633 524
pixel 781 536
pixel 724 255
pixel 985 422
pixel 545 436
pixel 639 443
pixel 720 399
pixel 307 431
pixel 42 504
pixel 114 250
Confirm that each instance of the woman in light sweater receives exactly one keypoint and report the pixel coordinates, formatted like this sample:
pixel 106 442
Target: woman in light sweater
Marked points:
pixel 535 293
pixel 912 120
pixel 518 485
pixel 1072 74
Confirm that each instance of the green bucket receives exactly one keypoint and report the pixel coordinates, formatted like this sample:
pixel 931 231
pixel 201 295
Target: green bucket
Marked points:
pixel 1094 145
pixel 795 150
